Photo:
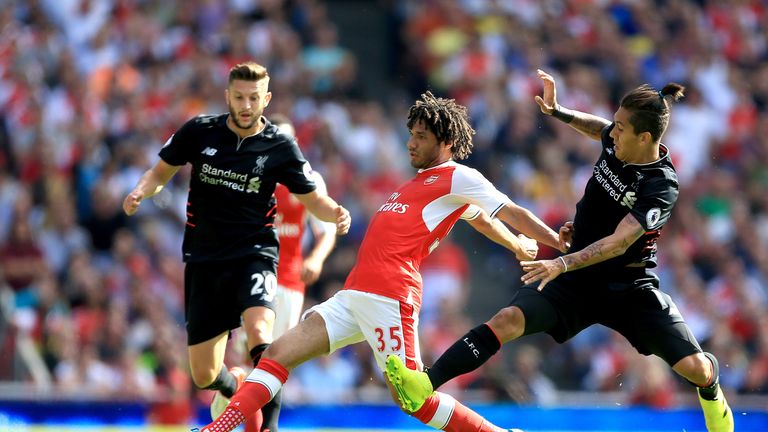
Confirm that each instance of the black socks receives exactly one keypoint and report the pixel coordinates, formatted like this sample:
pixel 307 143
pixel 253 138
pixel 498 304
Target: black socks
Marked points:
pixel 256 353
pixel 710 392
pixel 225 383
pixel 465 355
pixel 271 412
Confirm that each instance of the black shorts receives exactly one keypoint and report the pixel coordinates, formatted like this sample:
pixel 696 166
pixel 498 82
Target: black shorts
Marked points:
pixel 630 303
pixel 217 293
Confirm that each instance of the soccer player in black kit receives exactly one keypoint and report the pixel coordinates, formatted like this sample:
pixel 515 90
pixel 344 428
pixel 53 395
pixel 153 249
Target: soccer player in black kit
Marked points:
pixel 605 277
pixel 230 243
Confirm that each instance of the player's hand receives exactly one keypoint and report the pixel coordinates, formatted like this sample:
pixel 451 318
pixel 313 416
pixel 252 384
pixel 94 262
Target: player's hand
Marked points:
pixel 132 201
pixel 548 102
pixel 566 236
pixel 343 220
pixel 544 271
pixel 311 270
pixel 528 248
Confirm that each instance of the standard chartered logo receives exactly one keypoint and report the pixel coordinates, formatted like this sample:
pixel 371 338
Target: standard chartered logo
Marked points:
pixel 229 179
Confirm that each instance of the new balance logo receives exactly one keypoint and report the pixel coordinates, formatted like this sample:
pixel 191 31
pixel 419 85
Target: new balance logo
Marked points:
pixel 209 151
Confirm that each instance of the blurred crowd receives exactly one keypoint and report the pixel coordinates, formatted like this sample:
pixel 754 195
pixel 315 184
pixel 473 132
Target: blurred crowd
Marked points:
pixel 91 89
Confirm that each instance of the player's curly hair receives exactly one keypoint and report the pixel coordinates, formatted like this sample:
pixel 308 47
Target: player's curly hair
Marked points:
pixel 650 108
pixel 248 71
pixel 447 120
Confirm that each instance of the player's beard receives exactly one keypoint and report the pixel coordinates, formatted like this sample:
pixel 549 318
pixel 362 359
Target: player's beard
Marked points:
pixel 236 120
pixel 424 161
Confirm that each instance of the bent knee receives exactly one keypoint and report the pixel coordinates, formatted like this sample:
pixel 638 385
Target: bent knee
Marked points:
pixel 203 377
pixel 696 368
pixel 508 323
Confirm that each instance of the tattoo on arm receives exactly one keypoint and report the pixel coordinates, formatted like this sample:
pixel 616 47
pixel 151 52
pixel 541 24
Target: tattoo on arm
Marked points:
pixel 627 232
pixel 588 124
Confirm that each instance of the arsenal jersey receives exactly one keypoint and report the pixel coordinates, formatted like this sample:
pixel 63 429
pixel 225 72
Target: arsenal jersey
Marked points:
pixel 410 225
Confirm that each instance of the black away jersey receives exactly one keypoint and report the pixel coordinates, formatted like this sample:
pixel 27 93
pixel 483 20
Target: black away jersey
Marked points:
pixel 231 204
pixel 647 191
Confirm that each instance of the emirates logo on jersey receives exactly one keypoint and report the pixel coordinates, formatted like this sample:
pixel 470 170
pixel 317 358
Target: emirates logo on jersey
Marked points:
pixel 393 206
pixel 431 179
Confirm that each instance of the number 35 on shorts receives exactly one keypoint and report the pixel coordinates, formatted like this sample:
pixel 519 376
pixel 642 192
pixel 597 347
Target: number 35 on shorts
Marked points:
pixel 390 338
pixel 264 285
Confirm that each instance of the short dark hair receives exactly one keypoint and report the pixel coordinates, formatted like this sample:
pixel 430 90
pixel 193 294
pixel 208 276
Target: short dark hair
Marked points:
pixel 248 71
pixel 650 108
pixel 447 120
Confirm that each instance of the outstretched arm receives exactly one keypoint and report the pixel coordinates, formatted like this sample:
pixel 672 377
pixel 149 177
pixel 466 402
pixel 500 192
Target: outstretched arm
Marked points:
pixel 152 182
pixel 524 221
pixel 523 247
pixel 588 125
pixel 326 209
pixel 626 233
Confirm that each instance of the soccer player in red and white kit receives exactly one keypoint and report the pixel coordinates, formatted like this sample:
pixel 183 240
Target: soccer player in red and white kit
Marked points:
pixel 382 295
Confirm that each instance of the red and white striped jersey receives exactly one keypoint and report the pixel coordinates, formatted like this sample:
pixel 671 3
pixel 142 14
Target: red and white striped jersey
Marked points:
pixel 411 223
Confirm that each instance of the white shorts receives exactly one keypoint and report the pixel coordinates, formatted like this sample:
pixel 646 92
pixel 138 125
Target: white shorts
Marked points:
pixel 288 305
pixel 389 326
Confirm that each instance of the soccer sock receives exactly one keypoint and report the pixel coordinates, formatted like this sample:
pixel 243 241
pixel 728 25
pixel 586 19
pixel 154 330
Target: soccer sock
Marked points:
pixel 271 412
pixel 465 355
pixel 260 386
pixel 442 411
pixel 710 392
pixel 262 383
pixel 254 422
pixel 256 353
pixel 224 383
pixel 228 421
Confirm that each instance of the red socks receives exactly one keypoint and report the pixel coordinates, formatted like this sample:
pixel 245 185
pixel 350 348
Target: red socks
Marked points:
pixel 253 424
pixel 260 386
pixel 258 389
pixel 227 421
pixel 441 411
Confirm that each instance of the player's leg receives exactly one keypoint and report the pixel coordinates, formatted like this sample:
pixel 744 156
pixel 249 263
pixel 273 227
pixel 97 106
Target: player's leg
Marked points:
pixel 206 363
pixel 325 328
pixel 391 330
pixel 288 309
pixel 210 313
pixel 258 322
pixel 288 304
pixel 702 370
pixel 658 328
pixel 304 342
pixel 474 348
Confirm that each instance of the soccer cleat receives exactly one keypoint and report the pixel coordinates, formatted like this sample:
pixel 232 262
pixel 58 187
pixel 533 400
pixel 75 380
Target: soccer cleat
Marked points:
pixel 717 414
pixel 220 402
pixel 412 387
